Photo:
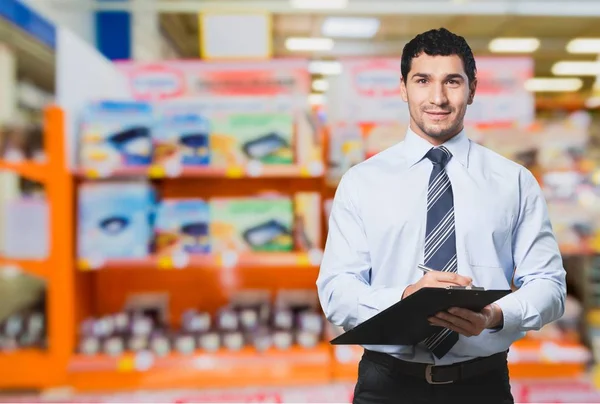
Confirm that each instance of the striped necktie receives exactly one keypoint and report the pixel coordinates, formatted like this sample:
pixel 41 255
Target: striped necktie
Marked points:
pixel 440 239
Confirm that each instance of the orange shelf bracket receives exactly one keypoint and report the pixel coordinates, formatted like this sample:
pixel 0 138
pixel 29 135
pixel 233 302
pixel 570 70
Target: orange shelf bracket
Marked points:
pixel 28 169
pixel 33 267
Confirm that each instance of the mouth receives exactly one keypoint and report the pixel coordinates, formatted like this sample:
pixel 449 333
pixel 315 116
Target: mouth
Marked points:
pixel 437 115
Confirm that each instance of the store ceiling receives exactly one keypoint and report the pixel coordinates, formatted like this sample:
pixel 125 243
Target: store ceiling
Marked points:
pixel 395 30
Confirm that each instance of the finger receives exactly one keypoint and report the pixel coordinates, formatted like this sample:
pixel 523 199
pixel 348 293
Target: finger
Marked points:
pixel 468 315
pixel 458 322
pixel 451 277
pixel 441 323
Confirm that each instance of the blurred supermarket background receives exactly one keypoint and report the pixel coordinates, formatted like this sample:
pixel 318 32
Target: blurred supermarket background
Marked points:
pixel 167 169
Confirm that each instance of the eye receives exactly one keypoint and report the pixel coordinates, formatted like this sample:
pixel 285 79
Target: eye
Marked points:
pixel 421 81
pixel 453 82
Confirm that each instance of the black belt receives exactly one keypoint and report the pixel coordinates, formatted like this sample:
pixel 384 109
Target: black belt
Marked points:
pixel 440 374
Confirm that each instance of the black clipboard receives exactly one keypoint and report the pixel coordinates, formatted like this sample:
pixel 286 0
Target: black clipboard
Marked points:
pixel 405 322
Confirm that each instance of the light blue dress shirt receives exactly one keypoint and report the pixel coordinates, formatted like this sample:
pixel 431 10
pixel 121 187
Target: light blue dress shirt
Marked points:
pixel 377 230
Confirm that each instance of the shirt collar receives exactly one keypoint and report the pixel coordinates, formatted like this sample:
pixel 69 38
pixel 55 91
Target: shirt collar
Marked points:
pixel 415 147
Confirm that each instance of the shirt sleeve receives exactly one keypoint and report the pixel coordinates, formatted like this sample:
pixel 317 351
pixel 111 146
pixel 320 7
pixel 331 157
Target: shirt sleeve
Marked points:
pixel 343 284
pixel 540 275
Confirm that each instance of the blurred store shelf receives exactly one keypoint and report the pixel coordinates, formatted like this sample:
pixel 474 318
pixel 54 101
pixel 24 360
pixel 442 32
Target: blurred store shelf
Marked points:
pixel 249 171
pixel 246 367
pixel 209 261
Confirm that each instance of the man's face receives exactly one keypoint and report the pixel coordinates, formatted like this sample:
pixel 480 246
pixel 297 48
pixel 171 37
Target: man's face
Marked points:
pixel 437 91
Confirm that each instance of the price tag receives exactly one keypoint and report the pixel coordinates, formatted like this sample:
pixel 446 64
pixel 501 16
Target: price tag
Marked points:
pixel 125 364
pixel 165 262
pixel 91 263
pixel 303 260
pixel 344 354
pixel 92 173
pixel 84 265
pixel 228 259
pixel 156 171
pixel 180 260
pixel 234 172
pixel 254 168
pixel 100 171
pixel 304 172
pixel 173 168
pixel 144 361
pixel 316 168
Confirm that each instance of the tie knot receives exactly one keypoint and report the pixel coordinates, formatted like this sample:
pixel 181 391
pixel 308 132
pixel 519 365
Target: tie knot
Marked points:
pixel 439 155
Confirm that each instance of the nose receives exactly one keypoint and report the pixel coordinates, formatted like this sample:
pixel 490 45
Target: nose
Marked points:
pixel 437 95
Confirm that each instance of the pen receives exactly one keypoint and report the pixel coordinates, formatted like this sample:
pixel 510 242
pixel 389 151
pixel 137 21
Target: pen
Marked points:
pixel 427 269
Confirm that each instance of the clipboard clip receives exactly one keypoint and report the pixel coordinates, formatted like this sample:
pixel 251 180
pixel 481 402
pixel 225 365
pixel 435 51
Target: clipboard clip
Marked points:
pixel 470 287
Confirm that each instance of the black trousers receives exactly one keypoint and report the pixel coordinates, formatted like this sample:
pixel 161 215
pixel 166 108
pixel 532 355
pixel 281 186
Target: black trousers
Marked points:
pixel 378 384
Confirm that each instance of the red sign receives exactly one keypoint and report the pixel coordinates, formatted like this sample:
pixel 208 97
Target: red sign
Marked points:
pixel 172 79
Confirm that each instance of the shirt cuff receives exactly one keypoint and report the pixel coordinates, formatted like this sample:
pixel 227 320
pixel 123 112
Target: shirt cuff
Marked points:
pixel 376 301
pixel 511 313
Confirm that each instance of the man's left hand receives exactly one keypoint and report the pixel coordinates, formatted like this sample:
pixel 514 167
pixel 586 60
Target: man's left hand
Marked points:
pixel 469 323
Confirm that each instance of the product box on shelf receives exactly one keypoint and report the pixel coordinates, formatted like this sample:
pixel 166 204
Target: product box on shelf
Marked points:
pixel 182 225
pixel 115 220
pixel 352 143
pixel 379 136
pixel 182 137
pixel 24 329
pixel 20 142
pixel 252 224
pixel 116 134
pixel 25 228
pixel 237 139
pixel 307 223
pixel 563 143
pixel 249 320
pixel 346 149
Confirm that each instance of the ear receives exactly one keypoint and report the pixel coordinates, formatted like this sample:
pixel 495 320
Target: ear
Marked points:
pixel 403 91
pixel 472 88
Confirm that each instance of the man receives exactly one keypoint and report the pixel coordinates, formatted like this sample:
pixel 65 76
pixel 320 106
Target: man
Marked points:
pixel 469 214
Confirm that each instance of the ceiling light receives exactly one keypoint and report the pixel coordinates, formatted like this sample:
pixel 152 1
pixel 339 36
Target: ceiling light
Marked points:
pixel 514 45
pixel 309 44
pixel 316 99
pixel 553 84
pixel 579 68
pixel 319 4
pixel 325 68
pixel 350 27
pixel 584 45
pixel 320 85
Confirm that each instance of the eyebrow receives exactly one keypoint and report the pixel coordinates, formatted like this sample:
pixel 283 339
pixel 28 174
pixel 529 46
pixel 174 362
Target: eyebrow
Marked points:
pixel 447 77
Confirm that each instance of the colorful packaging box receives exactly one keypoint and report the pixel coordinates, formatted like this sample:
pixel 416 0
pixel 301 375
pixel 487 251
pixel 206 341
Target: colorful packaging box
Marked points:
pixel 115 220
pixel 237 139
pixel 182 225
pixel 251 224
pixel 307 222
pixel 182 137
pixel 116 134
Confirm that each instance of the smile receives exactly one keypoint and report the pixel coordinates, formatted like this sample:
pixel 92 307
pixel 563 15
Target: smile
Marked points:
pixel 437 115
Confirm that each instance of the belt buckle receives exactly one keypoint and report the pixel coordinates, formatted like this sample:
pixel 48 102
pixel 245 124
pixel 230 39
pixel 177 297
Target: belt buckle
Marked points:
pixel 429 376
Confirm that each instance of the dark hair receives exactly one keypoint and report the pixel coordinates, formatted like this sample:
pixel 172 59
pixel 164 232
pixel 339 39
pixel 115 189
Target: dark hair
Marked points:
pixel 438 42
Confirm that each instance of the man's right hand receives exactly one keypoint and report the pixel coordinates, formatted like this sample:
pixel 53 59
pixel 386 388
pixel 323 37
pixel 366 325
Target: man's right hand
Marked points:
pixel 437 279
